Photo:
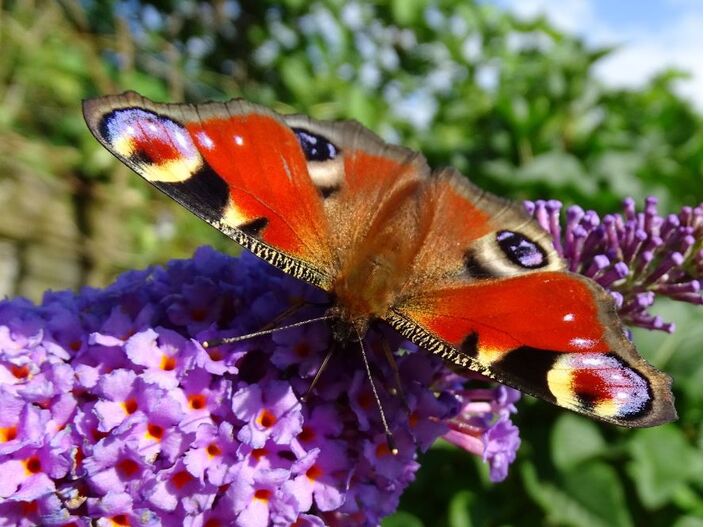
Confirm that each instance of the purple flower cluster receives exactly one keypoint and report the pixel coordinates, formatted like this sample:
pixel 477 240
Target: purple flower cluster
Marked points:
pixel 635 255
pixel 113 413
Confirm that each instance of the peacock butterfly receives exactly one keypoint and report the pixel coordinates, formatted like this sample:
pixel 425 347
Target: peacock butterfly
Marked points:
pixel 460 272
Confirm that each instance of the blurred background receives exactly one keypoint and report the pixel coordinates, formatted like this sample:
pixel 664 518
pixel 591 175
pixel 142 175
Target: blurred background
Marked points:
pixel 586 102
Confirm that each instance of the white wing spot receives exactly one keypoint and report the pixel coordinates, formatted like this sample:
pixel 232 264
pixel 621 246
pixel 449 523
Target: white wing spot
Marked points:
pixel 622 395
pixel 569 317
pixel 239 141
pixel 181 139
pixel 205 140
pixel 592 361
pixel 582 343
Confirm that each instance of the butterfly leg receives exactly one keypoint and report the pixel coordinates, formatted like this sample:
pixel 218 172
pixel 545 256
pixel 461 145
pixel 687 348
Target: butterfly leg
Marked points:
pixel 389 436
pixel 318 373
pixel 397 390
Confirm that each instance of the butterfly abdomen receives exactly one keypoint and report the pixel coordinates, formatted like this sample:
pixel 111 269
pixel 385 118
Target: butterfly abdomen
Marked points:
pixel 370 281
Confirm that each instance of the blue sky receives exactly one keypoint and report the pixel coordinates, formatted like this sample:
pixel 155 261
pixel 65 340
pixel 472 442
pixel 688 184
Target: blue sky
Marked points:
pixel 651 34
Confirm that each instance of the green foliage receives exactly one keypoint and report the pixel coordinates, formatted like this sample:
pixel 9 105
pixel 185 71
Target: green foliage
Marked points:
pixel 514 105
pixel 659 476
pixel 575 440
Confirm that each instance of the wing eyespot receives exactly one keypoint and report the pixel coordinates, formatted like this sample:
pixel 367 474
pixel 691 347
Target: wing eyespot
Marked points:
pixel 315 147
pixel 520 250
pixel 159 147
pixel 325 161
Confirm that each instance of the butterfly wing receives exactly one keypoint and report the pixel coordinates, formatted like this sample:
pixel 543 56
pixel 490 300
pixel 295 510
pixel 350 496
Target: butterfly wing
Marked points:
pixel 299 193
pixel 236 165
pixel 489 294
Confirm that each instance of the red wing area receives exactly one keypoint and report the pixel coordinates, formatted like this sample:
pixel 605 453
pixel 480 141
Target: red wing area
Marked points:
pixel 261 161
pixel 236 165
pixel 551 311
pixel 552 335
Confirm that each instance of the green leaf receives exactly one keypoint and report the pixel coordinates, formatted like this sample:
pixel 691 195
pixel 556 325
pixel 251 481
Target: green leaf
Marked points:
pixel 402 519
pixel 559 169
pixel 688 521
pixel 662 463
pixel 575 439
pixel 597 487
pixel 590 495
pixel 459 509
pixel 407 12
pixel 360 106
pixel 296 76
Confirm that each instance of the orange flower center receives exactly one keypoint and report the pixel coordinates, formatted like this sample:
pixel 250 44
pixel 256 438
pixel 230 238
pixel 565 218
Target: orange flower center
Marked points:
pixel 8 434
pixel 314 472
pixel 98 435
pixel 301 350
pixel 28 508
pixel 79 457
pixel 197 401
pixel 20 372
pixel 215 355
pixel 33 465
pixel 130 406
pixel 382 450
pixel 262 494
pixel 364 400
pixel 180 479
pixel 127 468
pixel 198 314
pixel 120 519
pixel 266 419
pixel 155 431
pixel 259 453
pixel 307 434
pixel 168 363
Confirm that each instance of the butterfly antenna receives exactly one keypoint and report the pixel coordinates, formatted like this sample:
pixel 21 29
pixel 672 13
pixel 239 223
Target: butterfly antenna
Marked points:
pixel 231 340
pixel 318 373
pixel 290 310
pixel 389 437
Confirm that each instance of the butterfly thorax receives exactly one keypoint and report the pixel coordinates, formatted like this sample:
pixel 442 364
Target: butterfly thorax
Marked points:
pixel 345 330
pixel 368 285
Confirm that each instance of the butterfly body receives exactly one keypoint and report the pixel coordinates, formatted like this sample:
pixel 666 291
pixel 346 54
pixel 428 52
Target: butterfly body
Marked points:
pixel 370 283
pixel 464 274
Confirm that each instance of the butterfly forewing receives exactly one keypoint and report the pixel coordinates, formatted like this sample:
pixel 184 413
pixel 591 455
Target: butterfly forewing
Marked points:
pixel 235 165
